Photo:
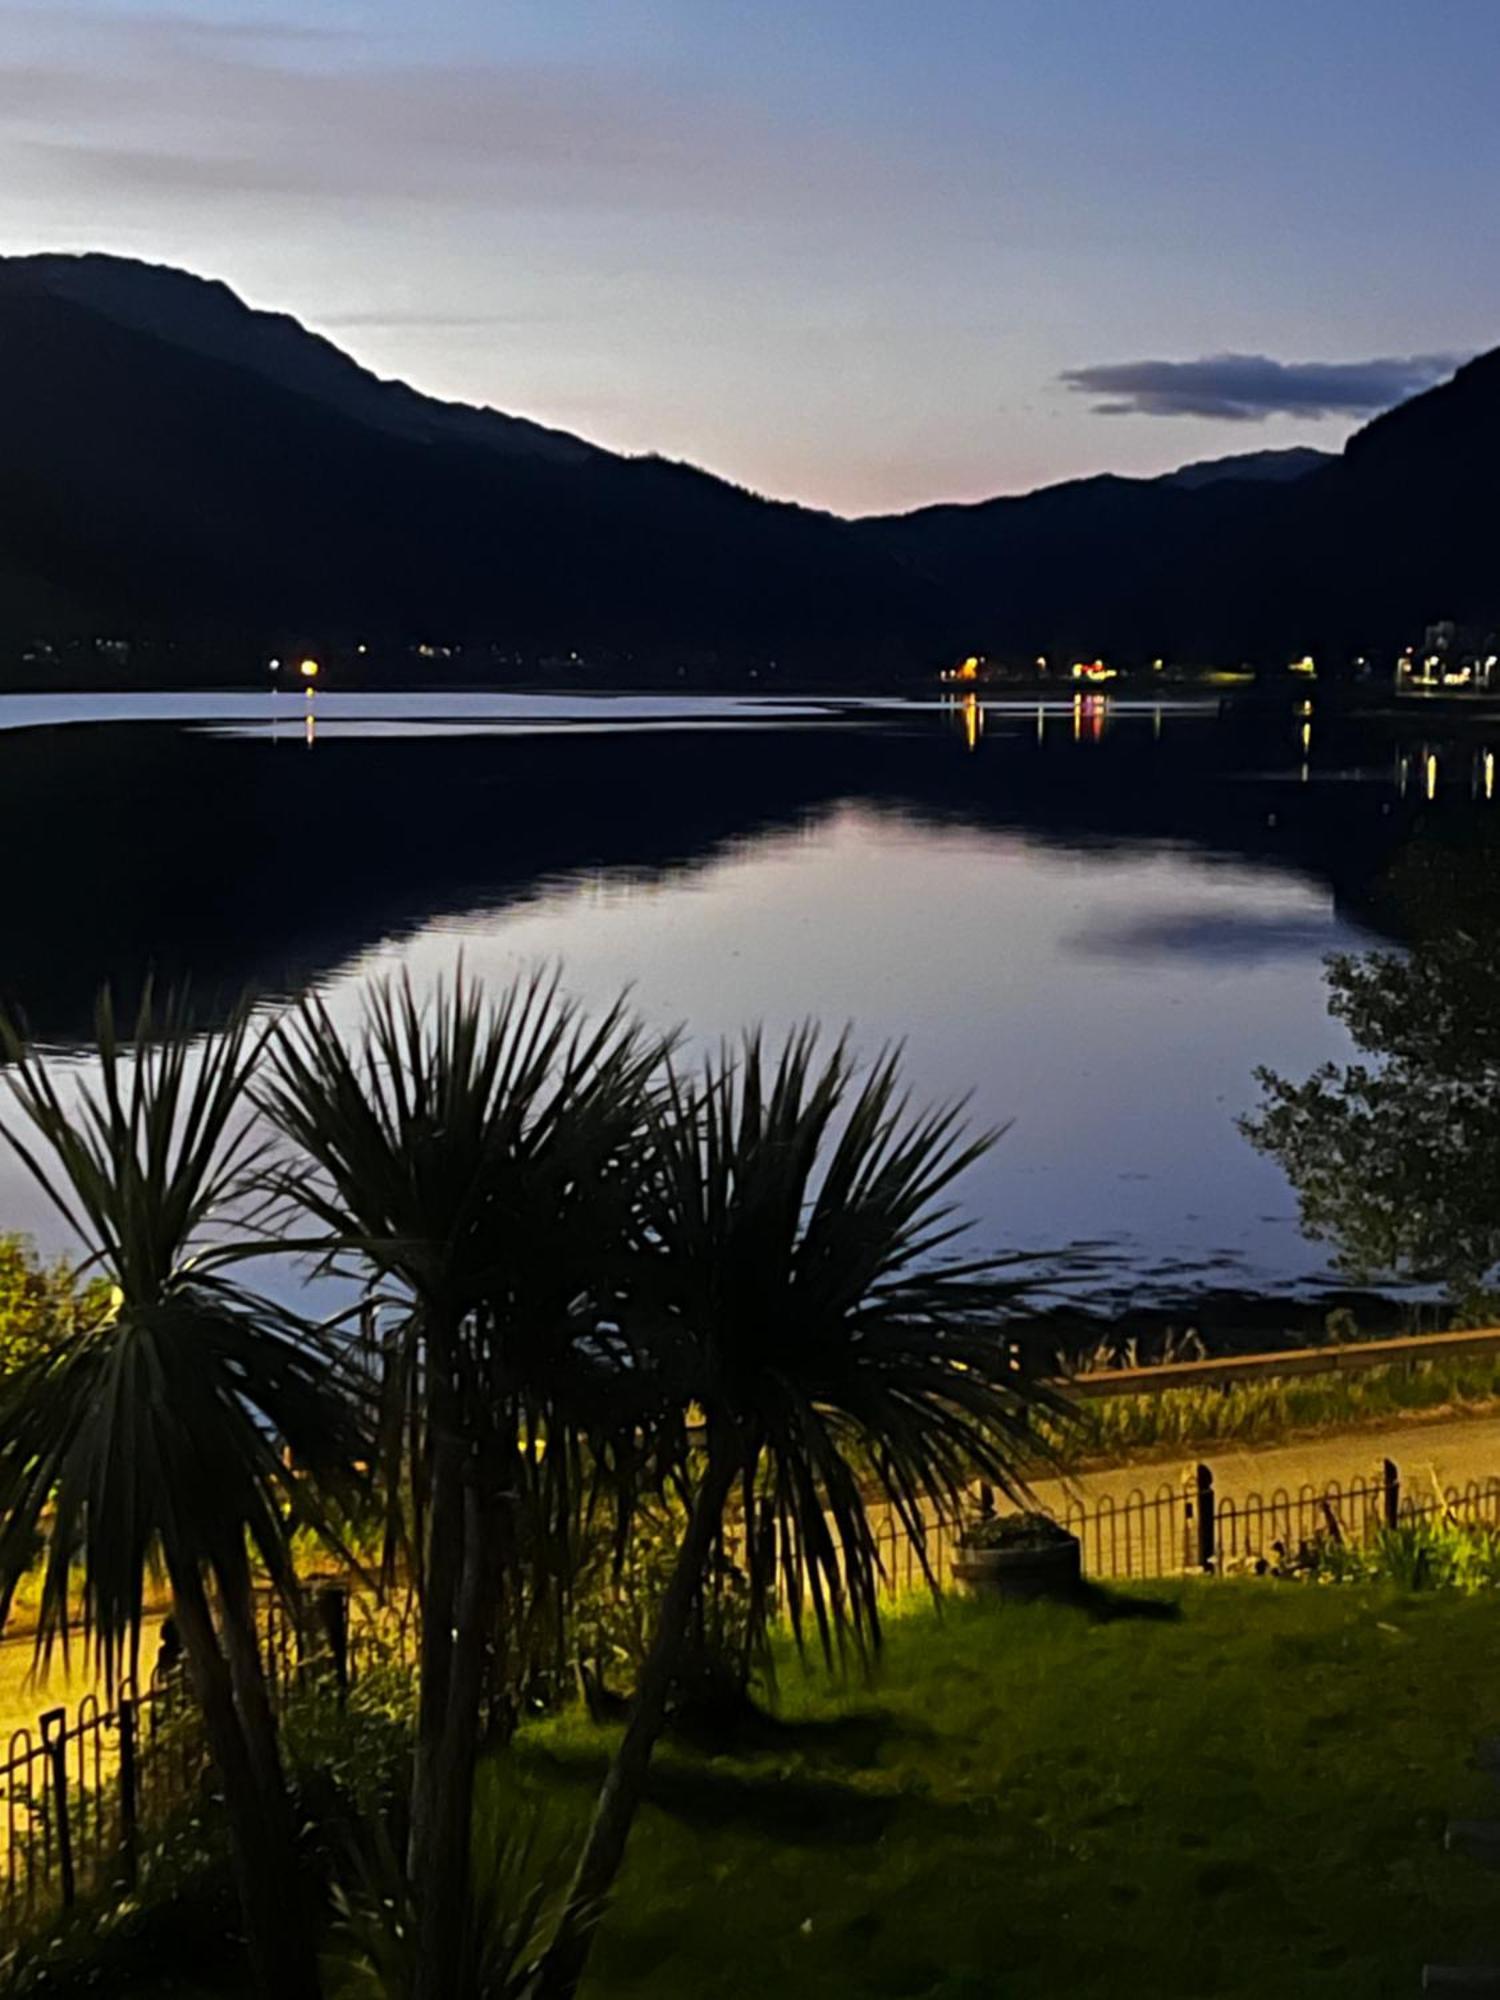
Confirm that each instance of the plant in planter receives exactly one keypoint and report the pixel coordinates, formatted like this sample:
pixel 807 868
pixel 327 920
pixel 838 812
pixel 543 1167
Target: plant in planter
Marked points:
pixel 1019 1555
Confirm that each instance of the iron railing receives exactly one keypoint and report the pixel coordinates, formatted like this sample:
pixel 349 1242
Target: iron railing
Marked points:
pixel 1187 1528
pixel 79 1791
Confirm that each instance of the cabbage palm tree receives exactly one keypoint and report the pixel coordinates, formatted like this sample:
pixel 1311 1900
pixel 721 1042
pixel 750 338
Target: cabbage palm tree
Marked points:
pixel 797 1217
pixel 476 1161
pixel 154 1435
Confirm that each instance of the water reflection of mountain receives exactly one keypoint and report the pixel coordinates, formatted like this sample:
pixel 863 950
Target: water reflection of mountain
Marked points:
pixel 247 864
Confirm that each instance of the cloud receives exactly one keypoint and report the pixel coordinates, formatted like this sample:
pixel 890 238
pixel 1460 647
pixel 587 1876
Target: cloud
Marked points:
pixel 97 104
pixel 1245 388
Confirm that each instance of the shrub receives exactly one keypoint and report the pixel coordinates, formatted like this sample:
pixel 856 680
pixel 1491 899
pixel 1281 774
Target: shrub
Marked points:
pixel 1426 1552
pixel 1014 1531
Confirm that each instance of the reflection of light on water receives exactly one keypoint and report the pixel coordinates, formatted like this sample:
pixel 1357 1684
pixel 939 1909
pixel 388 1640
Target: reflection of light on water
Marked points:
pixel 1432 774
pixel 1489 774
pixel 968 712
pixel 1089 714
pixel 310 730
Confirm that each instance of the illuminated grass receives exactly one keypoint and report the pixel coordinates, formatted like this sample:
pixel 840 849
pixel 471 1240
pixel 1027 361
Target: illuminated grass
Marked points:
pixel 1246 1802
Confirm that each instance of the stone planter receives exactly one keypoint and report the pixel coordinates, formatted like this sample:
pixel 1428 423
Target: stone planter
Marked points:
pixel 1051 1568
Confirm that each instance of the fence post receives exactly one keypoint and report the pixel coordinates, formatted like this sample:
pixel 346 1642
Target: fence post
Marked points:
pixel 333 1612
pixel 1201 1514
pixel 129 1804
pixel 1390 1491
pixel 55 1743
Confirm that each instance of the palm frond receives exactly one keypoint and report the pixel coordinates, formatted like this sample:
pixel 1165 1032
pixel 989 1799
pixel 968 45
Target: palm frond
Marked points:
pixel 802 1223
pixel 165 1424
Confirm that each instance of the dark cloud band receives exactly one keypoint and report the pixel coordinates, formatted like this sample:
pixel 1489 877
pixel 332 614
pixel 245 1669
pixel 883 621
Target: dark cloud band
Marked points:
pixel 1245 388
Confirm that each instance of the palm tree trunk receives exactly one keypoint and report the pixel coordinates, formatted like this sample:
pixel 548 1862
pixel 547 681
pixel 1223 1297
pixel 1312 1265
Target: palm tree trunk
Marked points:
pixel 253 1702
pixel 442 1569
pixel 625 1782
pixel 444 1884
pixel 282 1955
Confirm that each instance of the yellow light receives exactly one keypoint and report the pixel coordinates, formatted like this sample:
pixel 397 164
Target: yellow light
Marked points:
pixel 1304 665
pixel 973 721
pixel 1432 775
pixel 1489 774
pixel 309 670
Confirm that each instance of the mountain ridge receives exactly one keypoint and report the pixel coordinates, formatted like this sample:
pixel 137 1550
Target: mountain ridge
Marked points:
pixel 177 462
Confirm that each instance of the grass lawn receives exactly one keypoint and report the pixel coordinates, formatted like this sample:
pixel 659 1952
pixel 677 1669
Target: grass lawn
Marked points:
pixel 1248 1799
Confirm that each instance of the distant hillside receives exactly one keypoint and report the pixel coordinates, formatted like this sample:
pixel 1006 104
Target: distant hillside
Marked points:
pixel 203 316
pixel 174 464
pixel 1355 554
pixel 1295 462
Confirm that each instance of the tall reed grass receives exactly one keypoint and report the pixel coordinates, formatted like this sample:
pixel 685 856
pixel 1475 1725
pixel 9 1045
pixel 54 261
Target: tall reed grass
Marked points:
pixel 1270 1410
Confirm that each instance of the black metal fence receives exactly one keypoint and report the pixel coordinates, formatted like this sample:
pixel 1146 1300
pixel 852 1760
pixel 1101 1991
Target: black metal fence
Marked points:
pixel 1186 1528
pixel 1181 1529
pixel 82 1791
pixel 79 1790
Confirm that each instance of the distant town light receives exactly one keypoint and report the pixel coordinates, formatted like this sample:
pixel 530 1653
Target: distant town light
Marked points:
pixel 309 670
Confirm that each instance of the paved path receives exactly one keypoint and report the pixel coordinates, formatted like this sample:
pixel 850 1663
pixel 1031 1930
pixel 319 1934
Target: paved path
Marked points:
pixel 24 1697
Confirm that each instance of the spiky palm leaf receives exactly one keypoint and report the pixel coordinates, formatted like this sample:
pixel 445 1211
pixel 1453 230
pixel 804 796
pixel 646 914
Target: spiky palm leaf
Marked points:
pixel 162 1426
pixel 798 1219
pixel 477 1159
pixel 802 1221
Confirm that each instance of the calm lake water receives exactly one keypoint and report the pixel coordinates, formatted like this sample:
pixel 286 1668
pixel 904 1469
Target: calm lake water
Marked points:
pixel 1096 918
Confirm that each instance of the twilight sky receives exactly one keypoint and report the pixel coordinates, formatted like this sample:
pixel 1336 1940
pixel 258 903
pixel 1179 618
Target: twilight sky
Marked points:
pixel 865 253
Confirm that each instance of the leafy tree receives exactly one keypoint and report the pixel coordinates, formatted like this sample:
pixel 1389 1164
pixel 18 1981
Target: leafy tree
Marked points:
pixel 797 1217
pixel 155 1434
pixel 41 1305
pixel 1396 1160
pixel 479 1164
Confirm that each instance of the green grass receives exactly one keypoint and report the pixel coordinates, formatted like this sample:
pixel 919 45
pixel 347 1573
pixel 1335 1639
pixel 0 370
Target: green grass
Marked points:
pixel 1247 1801
pixel 1268 1411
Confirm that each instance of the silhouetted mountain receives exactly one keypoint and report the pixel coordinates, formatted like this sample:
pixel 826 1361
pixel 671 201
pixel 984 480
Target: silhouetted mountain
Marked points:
pixel 178 465
pixel 1351 557
pixel 205 317
pixel 1295 462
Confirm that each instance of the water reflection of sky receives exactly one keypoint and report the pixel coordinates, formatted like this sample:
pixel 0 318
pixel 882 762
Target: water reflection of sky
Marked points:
pixel 1094 970
pixel 1109 1006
